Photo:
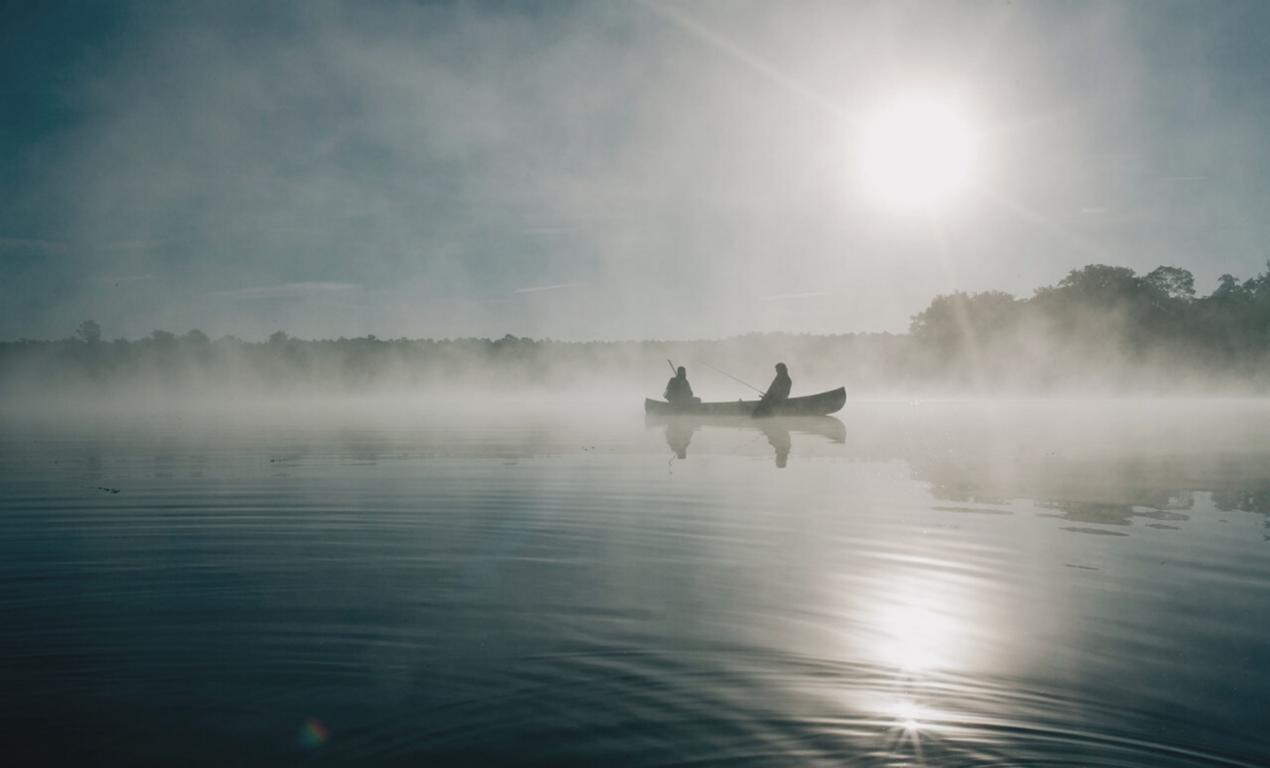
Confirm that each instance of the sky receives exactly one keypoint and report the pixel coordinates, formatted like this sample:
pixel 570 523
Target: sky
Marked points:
pixel 613 170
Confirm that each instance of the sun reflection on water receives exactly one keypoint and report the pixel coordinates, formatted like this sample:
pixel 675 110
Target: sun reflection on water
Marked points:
pixel 908 716
pixel 921 635
pixel 916 638
pixel 907 724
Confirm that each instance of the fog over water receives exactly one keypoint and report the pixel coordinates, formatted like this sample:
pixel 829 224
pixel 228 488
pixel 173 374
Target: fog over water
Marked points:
pixel 334 339
pixel 947 582
pixel 613 170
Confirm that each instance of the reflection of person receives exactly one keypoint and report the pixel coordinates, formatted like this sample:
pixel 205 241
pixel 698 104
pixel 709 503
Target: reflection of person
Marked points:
pixel 778 438
pixel 678 390
pixel 678 435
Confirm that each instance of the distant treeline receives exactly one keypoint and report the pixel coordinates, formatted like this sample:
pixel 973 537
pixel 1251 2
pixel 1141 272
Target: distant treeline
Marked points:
pixel 1105 325
pixel 193 363
pixel 1101 328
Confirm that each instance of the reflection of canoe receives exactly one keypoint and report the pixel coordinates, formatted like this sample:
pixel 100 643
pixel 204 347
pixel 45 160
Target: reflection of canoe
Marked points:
pixel 821 404
pixel 824 426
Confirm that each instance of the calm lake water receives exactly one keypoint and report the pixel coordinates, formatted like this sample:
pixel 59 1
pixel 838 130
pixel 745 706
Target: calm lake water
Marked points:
pixel 912 583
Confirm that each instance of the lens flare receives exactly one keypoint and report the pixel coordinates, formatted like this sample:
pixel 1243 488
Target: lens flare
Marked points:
pixel 313 734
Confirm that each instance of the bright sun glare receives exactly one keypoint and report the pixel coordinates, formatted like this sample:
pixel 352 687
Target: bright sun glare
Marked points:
pixel 916 637
pixel 916 154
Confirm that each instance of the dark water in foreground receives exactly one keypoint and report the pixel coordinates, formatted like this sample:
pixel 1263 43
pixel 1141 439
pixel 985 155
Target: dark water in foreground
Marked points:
pixel 920 584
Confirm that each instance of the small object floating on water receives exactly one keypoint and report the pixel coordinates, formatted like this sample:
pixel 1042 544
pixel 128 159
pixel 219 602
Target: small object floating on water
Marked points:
pixel 107 490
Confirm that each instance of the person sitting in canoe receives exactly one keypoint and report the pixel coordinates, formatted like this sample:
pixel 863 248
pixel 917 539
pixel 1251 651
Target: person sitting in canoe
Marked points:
pixel 777 392
pixel 678 390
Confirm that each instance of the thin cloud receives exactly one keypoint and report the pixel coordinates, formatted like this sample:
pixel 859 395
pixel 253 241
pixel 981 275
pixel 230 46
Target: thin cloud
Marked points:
pixel 549 231
pixel 287 291
pixel 31 243
pixel 540 288
pixel 134 245
pixel 127 279
pixel 795 296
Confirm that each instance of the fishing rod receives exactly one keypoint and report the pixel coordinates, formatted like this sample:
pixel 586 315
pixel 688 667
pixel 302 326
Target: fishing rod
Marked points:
pixel 730 376
pixel 672 367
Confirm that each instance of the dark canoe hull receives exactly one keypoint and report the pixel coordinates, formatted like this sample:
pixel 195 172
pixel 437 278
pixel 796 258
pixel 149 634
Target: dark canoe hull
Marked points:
pixel 821 404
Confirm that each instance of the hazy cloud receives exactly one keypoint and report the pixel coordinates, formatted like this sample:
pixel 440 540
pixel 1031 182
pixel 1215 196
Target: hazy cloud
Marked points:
pixel 31 244
pixel 288 291
pixel 124 279
pixel 134 245
pixel 555 287
pixel 666 156
pixel 795 296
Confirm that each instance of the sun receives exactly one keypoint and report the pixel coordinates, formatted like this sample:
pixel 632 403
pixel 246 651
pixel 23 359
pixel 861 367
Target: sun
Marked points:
pixel 916 154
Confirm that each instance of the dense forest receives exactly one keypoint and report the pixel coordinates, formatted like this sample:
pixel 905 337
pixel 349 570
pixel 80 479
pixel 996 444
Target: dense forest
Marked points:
pixel 1107 325
pixel 1100 329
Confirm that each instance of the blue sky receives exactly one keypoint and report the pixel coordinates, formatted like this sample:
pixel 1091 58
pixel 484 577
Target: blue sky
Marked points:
pixel 610 170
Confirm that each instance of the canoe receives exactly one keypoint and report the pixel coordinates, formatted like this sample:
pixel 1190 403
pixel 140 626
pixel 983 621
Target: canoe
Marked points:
pixel 821 404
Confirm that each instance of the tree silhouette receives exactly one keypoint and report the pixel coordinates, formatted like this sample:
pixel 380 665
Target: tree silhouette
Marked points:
pixel 1172 283
pixel 89 332
pixel 1101 326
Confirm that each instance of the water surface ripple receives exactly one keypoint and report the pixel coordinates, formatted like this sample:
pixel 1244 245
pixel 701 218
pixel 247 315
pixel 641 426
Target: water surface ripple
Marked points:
pixel 906 586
